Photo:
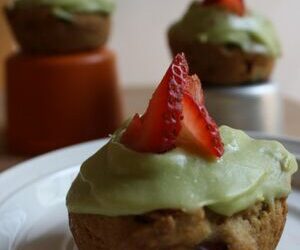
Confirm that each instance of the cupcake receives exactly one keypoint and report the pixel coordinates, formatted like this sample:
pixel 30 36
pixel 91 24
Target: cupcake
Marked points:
pixel 60 26
pixel 225 43
pixel 172 180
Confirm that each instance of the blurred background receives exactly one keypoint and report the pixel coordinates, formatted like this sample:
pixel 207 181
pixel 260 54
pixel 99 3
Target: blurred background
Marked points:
pixel 139 37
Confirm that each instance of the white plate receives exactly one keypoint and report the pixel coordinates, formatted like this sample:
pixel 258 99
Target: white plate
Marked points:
pixel 33 215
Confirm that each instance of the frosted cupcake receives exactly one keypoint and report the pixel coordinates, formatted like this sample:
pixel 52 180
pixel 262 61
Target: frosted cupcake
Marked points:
pixel 60 26
pixel 171 179
pixel 225 43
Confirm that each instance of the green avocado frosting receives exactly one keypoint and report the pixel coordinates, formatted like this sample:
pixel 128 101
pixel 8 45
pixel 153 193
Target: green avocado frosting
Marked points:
pixel 117 181
pixel 83 6
pixel 210 24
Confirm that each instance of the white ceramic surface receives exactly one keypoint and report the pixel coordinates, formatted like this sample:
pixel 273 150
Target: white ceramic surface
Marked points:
pixel 33 215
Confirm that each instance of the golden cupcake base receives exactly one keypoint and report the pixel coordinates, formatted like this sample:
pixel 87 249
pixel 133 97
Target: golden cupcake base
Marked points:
pixel 259 227
pixel 219 65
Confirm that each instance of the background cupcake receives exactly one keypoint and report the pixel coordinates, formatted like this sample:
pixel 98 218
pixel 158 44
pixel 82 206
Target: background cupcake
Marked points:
pixel 60 25
pixel 225 43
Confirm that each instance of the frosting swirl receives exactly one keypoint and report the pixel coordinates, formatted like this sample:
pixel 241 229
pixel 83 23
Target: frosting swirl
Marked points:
pixel 210 24
pixel 118 181
pixel 85 6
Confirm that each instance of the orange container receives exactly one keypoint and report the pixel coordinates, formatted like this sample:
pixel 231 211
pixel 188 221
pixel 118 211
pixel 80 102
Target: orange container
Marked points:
pixel 55 101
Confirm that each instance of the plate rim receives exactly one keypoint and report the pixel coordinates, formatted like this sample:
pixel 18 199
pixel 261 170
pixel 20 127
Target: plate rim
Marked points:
pixel 60 159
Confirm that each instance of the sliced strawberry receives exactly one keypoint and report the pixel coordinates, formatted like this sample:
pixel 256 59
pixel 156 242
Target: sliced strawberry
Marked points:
pixel 199 132
pixel 235 6
pixel 194 88
pixel 176 116
pixel 156 131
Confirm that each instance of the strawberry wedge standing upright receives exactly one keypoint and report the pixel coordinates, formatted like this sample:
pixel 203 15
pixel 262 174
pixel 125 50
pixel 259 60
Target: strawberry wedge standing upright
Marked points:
pixel 156 131
pixel 176 117
pixel 199 132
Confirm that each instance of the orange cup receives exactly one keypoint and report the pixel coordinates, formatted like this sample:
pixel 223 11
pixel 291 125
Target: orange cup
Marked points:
pixel 58 100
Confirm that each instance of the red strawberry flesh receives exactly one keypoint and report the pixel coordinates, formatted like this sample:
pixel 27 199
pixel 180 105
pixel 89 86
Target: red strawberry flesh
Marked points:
pixel 176 117
pixel 235 6
pixel 199 132
pixel 161 123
